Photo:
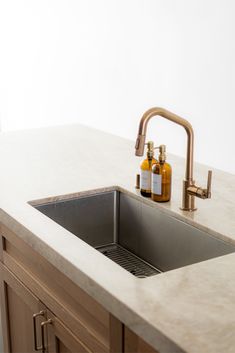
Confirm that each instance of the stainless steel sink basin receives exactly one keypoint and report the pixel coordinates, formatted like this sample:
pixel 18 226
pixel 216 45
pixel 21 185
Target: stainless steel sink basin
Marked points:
pixel 140 238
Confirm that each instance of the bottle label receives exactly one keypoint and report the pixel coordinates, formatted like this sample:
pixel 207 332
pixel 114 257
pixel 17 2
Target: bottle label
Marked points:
pixel 156 184
pixel 145 179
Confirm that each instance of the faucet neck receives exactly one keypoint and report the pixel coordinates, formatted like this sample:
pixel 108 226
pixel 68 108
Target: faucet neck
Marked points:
pixel 176 119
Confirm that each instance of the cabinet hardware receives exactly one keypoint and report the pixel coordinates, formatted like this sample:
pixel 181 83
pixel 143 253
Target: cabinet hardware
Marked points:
pixel 41 313
pixel 43 324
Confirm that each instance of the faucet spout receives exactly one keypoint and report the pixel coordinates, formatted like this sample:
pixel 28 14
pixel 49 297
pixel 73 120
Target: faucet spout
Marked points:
pixel 140 141
pixel 190 190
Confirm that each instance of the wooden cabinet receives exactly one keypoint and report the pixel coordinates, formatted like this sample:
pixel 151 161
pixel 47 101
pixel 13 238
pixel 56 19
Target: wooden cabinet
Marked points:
pixel 61 339
pixel 70 321
pixel 19 307
pixel 31 326
pixel 135 344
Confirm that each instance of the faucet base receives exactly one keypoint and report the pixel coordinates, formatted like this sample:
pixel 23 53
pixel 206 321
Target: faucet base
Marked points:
pixel 188 201
pixel 188 209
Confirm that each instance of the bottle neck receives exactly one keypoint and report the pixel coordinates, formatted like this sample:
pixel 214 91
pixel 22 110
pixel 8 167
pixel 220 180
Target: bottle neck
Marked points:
pixel 162 159
pixel 162 154
pixel 150 155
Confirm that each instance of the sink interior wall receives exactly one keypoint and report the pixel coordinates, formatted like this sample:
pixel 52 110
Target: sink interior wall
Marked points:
pixel 164 241
pixel 89 218
pixel 115 217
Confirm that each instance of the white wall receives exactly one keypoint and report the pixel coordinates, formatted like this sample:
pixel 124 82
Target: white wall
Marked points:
pixel 103 63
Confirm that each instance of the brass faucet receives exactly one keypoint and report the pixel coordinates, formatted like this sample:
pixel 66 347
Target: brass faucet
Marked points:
pixel 190 190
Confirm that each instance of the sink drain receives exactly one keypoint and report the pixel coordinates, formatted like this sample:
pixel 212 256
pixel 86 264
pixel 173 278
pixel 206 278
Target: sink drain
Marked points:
pixel 128 260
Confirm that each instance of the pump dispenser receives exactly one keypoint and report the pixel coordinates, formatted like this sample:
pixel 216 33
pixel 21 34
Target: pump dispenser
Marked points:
pixel 146 170
pixel 161 178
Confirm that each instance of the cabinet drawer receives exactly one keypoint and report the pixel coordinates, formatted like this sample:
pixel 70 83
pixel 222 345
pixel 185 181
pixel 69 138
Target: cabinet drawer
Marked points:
pixel 86 318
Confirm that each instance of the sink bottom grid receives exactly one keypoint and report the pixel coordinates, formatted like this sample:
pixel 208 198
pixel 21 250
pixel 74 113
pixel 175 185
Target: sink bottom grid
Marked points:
pixel 128 260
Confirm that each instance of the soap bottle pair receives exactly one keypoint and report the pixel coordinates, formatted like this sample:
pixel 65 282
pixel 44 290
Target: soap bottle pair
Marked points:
pixel 155 175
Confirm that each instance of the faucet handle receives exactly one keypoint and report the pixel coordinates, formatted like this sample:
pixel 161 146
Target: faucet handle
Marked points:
pixel 209 179
pixel 200 192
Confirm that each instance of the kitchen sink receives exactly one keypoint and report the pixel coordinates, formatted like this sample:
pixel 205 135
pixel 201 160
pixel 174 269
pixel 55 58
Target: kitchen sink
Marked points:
pixel 133 233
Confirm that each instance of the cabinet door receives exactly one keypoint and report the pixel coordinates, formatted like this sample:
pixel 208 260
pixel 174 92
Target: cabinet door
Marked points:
pixel 135 344
pixel 18 306
pixel 60 338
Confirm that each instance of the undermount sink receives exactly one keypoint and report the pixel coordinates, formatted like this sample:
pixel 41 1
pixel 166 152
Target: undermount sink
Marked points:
pixel 139 237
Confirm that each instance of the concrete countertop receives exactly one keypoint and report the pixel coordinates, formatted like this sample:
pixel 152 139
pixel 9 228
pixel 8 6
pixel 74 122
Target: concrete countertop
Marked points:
pixel 191 309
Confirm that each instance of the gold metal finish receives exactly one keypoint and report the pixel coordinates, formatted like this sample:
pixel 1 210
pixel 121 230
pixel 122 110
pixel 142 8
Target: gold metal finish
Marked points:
pixel 209 182
pixel 162 153
pixel 43 324
pixel 41 313
pixel 200 192
pixel 190 190
pixel 150 149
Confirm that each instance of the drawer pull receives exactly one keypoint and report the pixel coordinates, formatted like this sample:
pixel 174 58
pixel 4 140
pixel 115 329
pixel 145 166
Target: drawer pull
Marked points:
pixel 41 313
pixel 43 324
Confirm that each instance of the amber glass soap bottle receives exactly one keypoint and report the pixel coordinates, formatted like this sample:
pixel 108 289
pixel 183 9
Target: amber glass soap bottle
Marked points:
pixel 161 178
pixel 146 170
